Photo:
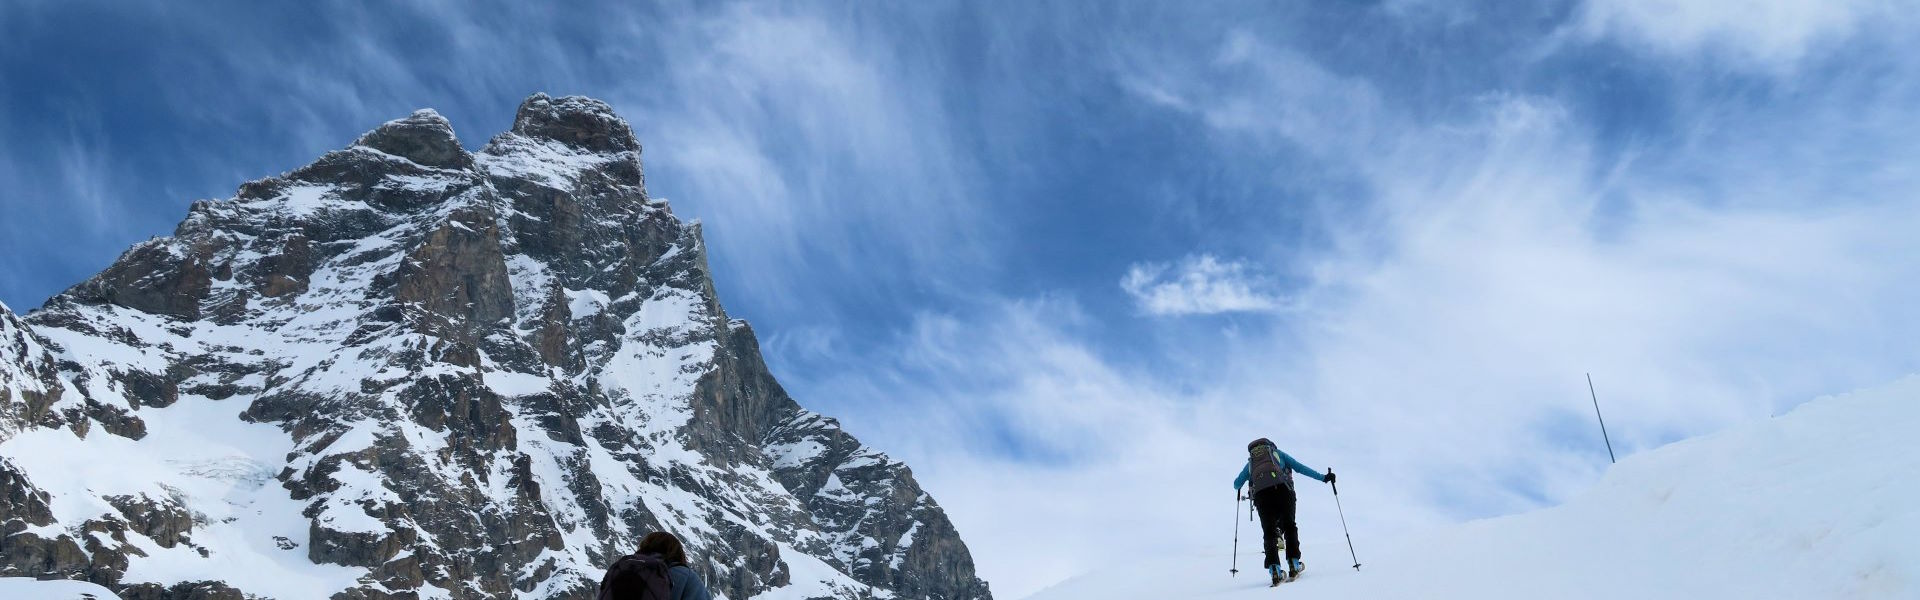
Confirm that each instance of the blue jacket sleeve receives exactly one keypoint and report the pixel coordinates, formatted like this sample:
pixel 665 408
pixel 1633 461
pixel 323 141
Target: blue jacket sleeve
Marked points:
pixel 687 584
pixel 1300 468
pixel 1245 472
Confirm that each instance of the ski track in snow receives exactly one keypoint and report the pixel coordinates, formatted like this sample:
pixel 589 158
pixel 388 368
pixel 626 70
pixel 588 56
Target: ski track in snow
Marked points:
pixel 1818 503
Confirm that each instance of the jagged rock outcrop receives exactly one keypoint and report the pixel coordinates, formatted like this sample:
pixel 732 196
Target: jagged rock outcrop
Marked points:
pixel 30 382
pixel 409 370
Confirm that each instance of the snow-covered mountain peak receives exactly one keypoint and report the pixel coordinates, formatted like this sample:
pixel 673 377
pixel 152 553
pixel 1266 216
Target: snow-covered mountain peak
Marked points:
pixel 577 121
pixel 405 370
pixel 424 137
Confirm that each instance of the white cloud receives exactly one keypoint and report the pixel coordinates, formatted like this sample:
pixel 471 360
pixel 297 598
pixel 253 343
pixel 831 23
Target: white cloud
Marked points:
pixel 1300 101
pixel 1772 35
pixel 1200 285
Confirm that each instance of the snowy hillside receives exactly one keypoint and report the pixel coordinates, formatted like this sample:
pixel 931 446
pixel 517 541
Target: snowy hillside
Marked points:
pixel 59 589
pixel 1823 502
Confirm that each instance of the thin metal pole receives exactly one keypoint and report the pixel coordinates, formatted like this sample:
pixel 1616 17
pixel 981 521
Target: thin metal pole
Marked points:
pixel 1343 523
pixel 1235 571
pixel 1603 420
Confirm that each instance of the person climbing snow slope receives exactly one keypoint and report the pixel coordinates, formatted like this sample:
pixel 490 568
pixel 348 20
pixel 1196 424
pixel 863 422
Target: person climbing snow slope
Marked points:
pixel 1269 480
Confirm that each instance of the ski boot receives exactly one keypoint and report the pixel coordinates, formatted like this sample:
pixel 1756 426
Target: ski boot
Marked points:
pixel 1295 569
pixel 1277 575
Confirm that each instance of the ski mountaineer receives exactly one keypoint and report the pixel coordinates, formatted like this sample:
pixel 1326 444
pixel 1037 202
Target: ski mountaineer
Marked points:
pixel 657 571
pixel 1269 477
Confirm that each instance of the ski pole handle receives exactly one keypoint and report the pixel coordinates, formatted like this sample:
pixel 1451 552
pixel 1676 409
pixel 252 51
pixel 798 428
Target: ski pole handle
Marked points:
pixel 1336 486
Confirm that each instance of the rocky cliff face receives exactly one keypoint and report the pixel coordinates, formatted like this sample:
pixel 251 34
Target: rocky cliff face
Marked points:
pixel 411 371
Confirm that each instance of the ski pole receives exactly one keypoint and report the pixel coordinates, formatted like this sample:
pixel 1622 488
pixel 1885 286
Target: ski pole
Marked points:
pixel 1343 522
pixel 1235 571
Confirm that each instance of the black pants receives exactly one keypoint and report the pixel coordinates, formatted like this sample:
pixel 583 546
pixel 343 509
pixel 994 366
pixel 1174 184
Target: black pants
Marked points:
pixel 1276 519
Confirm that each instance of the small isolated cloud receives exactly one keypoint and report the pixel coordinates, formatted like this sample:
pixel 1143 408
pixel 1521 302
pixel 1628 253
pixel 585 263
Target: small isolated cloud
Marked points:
pixel 1199 285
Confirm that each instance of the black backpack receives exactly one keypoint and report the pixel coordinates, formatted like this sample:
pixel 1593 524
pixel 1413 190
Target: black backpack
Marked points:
pixel 1264 468
pixel 637 577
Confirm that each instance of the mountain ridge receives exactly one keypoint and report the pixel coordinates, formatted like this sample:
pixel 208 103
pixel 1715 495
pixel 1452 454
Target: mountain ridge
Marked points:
pixel 489 372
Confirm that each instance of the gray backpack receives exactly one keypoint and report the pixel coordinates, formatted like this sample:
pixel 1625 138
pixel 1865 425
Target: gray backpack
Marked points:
pixel 1265 469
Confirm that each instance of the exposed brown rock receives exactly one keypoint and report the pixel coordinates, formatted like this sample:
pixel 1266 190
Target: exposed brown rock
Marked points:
pixel 165 521
pixel 576 121
pixel 186 590
pixel 424 137
pixel 151 277
pixel 459 272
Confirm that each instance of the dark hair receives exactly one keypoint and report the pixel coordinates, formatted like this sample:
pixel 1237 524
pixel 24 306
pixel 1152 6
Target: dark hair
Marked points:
pixel 665 546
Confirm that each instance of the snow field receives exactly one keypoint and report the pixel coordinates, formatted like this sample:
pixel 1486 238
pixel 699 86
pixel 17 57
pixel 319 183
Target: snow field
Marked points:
pixel 25 588
pixel 1818 503
pixel 197 453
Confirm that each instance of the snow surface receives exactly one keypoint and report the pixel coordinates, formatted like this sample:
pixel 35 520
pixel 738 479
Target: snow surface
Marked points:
pixel 812 578
pixel 554 164
pixel 24 588
pixel 1819 503
pixel 200 454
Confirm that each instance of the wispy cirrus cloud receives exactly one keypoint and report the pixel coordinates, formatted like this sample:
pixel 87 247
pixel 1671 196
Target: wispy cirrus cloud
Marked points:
pixel 1767 35
pixel 86 181
pixel 67 193
pixel 820 149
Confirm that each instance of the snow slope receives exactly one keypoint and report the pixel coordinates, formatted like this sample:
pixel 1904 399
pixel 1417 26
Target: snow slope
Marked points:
pixel 58 589
pixel 1823 502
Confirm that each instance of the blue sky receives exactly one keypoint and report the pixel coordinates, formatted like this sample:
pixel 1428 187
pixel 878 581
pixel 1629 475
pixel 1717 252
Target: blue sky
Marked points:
pixel 1066 258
